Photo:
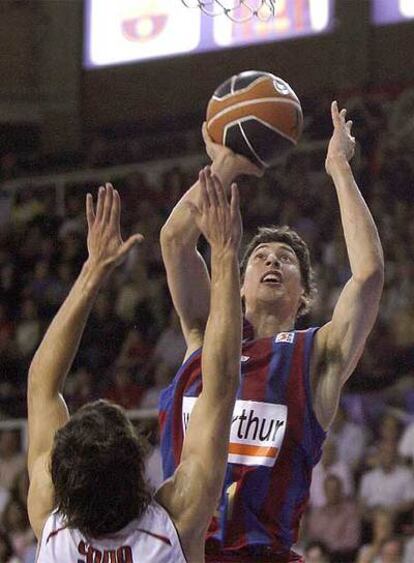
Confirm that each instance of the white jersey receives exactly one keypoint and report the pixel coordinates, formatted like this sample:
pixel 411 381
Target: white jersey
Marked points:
pixel 149 539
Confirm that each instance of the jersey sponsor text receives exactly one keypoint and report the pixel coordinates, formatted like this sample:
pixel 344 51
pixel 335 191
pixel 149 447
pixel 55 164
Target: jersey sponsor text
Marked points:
pixel 257 431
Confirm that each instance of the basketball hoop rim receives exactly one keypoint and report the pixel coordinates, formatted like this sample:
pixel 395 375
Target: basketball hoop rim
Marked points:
pixel 264 11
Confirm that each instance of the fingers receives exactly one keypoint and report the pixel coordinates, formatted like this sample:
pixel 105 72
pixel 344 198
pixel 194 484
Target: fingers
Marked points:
pixel 218 196
pixel 335 113
pixel 235 200
pixel 349 129
pixel 211 188
pixel 204 196
pixel 219 189
pixel 90 215
pixel 107 206
pixel 115 217
pixel 100 203
pixel 129 244
pixel 338 117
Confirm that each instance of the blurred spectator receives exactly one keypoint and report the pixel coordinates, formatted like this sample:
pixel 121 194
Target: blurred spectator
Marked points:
pixel 74 221
pixel 337 523
pixel 6 324
pixel 20 487
pixel 317 552
pixel 4 499
pixel 39 286
pixel 406 444
pixel 99 153
pixel 390 428
pixel 59 286
pixel 28 330
pixel 103 336
pixel 135 353
pixel 383 528
pixel 81 389
pixel 170 347
pixel 409 551
pixel 163 376
pixel 27 207
pixel 8 166
pixel 123 390
pixel 329 465
pixel 391 551
pixel 16 524
pixel 6 550
pixel 133 292
pixel 8 274
pixel 350 439
pixel 389 431
pixel 12 459
pixel 73 250
pixel 390 485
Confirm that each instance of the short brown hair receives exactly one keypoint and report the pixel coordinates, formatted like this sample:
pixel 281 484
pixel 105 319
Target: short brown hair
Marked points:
pixel 97 470
pixel 290 237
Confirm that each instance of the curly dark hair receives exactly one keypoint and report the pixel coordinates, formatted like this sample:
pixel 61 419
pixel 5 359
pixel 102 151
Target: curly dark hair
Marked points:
pixel 97 469
pixel 290 237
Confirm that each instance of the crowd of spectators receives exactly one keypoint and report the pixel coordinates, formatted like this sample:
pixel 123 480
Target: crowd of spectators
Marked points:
pixel 362 497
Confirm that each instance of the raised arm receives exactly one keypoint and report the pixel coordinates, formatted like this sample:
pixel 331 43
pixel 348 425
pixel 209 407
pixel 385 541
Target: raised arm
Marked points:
pixel 47 411
pixel 192 494
pixel 187 274
pixel 340 343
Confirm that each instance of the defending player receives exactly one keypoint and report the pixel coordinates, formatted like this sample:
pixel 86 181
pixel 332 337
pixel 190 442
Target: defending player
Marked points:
pixel 291 380
pixel 88 499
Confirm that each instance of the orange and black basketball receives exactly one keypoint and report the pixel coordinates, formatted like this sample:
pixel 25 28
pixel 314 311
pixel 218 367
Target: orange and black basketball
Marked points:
pixel 257 115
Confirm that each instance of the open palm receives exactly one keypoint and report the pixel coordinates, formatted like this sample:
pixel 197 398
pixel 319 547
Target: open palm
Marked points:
pixel 106 247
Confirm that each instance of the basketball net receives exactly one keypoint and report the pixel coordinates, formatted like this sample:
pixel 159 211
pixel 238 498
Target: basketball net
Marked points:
pixel 238 11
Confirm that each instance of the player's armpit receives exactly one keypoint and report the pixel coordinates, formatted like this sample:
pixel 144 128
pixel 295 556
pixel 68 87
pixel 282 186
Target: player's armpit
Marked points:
pixel 40 500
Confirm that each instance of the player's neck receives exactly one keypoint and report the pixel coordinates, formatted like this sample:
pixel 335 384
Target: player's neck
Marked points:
pixel 267 323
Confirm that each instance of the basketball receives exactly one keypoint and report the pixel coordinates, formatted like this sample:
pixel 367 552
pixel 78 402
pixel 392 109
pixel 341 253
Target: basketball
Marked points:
pixel 255 114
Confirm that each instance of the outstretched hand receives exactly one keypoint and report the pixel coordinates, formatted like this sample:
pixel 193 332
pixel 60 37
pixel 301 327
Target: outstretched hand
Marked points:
pixel 216 217
pixel 105 245
pixel 241 164
pixel 342 143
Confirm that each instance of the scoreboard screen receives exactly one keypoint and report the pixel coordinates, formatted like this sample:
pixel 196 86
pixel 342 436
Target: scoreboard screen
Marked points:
pixel 392 11
pixel 138 30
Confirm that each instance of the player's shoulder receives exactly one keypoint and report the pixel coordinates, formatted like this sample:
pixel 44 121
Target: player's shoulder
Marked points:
pixel 54 527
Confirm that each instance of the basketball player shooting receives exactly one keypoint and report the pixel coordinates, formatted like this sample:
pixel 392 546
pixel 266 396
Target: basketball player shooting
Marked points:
pixel 88 499
pixel 291 380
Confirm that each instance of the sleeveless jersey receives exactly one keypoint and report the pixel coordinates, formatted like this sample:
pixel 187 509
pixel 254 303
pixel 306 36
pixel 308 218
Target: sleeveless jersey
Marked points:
pixel 275 442
pixel 149 539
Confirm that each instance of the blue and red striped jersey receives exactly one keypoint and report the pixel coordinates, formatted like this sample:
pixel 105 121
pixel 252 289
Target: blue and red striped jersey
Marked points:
pixel 275 442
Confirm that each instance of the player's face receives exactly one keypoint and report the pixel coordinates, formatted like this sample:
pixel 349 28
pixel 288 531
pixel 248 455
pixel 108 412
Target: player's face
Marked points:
pixel 273 273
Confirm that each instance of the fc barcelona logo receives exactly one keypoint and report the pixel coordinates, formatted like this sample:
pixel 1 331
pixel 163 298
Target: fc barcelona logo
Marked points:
pixel 285 337
pixel 147 22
